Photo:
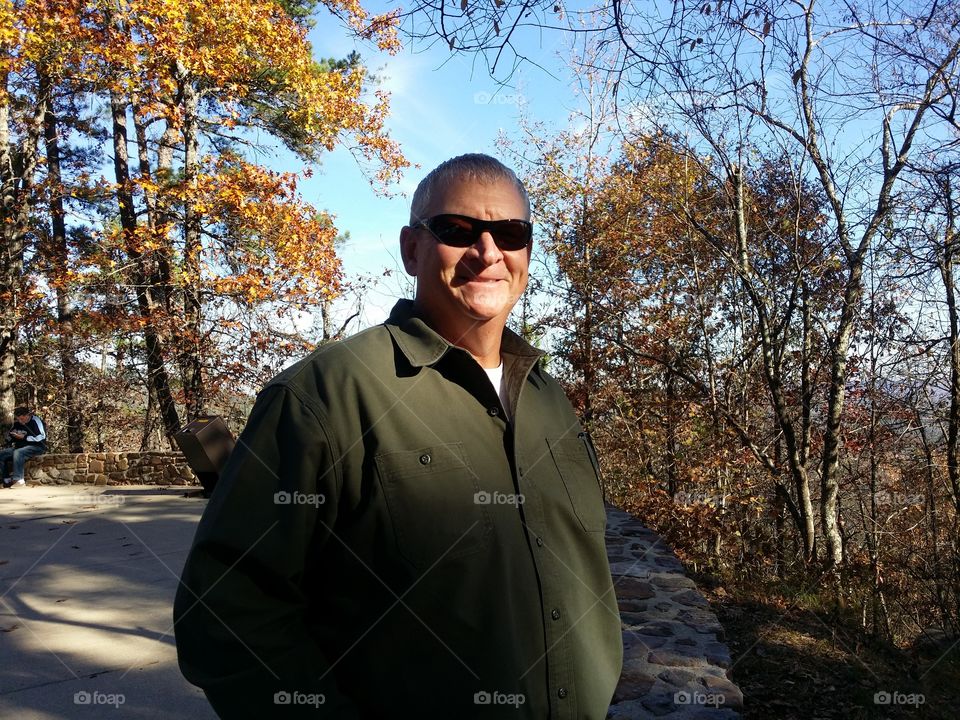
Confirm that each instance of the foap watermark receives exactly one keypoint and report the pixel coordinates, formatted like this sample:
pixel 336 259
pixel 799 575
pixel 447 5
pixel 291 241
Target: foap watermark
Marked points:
pixel 684 697
pixel 498 698
pixel 485 98
pixel 298 498
pixel 886 697
pixel 497 498
pixel 86 498
pixel 298 698
pixel 897 499
pixel 85 697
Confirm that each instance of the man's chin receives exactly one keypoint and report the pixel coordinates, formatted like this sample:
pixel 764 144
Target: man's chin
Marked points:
pixel 488 305
pixel 487 313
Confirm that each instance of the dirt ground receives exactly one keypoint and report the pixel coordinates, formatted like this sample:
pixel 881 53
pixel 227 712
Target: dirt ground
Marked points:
pixel 791 662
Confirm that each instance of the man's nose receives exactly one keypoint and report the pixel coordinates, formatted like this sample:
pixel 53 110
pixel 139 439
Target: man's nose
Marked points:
pixel 487 248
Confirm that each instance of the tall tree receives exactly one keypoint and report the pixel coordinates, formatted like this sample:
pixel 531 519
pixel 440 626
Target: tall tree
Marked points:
pixel 58 252
pixel 748 75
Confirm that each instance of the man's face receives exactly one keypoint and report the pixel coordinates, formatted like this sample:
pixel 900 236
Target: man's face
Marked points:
pixel 23 419
pixel 457 287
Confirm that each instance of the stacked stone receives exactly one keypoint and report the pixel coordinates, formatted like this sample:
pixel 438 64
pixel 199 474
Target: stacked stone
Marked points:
pixel 675 665
pixel 110 468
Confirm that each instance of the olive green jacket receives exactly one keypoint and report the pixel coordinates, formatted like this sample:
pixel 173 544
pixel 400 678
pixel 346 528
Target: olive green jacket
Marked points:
pixel 383 543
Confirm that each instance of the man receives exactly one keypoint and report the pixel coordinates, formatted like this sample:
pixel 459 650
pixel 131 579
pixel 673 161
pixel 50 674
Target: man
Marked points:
pixel 29 438
pixel 412 524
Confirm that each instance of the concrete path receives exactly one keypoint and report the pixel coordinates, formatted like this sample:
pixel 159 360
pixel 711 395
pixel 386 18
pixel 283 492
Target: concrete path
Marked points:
pixel 87 579
pixel 88 575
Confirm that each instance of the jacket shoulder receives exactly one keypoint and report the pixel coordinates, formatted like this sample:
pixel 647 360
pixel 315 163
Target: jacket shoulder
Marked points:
pixel 338 364
pixel 549 381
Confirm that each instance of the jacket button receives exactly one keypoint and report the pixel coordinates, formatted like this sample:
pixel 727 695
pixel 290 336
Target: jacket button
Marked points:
pixel 539 542
pixel 425 459
pixel 493 412
pixel 562 693
pixel 555 614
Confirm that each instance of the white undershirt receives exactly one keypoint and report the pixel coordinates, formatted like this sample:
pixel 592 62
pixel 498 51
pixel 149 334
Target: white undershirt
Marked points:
pixel 496 379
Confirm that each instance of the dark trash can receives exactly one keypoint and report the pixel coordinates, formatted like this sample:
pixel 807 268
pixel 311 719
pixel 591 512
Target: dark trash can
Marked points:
pixel 206 443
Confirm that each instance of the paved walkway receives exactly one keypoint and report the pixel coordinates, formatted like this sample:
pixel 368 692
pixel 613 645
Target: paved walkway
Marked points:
pixel 87 579
pixel 88 575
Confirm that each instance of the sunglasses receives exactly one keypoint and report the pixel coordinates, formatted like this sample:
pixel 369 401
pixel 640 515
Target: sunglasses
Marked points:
pixel 462 231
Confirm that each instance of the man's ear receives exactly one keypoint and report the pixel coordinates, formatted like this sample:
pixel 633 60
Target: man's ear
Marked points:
pixel 408 249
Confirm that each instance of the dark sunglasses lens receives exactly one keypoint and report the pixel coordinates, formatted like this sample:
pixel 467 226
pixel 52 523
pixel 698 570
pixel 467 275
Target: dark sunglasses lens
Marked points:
pixel 511 234
pixel 453 231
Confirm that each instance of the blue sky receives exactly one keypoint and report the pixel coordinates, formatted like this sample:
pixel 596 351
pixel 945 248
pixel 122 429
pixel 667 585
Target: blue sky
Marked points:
pixel 442 105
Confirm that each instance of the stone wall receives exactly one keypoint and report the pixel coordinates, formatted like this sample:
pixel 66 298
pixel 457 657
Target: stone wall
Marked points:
pixel 675 664
pixel 111 468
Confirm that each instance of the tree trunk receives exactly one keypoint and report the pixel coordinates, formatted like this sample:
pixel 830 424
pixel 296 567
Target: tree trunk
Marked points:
pixel 946 273
pixel 58 253
pixel 157 377
pixel 192 357
pixel 806 393
pixel 829 485
pixel 157 213
pixel 773 373
pixel 672 443
pixel 17 167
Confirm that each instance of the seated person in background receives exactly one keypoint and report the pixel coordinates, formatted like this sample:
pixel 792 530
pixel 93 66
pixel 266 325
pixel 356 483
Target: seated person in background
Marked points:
pixel 29 438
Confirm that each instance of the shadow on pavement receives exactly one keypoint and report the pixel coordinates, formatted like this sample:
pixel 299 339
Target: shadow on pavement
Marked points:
pixel 87 580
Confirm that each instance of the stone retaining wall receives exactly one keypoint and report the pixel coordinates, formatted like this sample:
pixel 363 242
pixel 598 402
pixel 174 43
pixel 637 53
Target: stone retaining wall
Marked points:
pixel 111 468
pixel 675 664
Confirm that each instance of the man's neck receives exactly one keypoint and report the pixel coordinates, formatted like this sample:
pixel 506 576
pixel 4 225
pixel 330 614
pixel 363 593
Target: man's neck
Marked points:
pixel 484 352
pixel 479 338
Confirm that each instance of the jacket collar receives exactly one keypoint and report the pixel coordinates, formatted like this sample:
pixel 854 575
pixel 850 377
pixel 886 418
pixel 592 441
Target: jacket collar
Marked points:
pixel 422 345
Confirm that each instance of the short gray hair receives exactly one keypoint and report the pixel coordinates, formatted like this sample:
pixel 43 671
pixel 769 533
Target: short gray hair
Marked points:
pixel 472 166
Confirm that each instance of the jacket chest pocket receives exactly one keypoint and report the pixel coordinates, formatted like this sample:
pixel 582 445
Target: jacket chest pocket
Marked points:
pixel 581 480
pixel 431 494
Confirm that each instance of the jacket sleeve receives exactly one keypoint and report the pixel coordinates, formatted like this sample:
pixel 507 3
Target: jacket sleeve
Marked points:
pixel 239 613
pixel 41 433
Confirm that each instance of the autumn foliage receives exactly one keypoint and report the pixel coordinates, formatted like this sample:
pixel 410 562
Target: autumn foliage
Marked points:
pixel 142 238
pixel 702 369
